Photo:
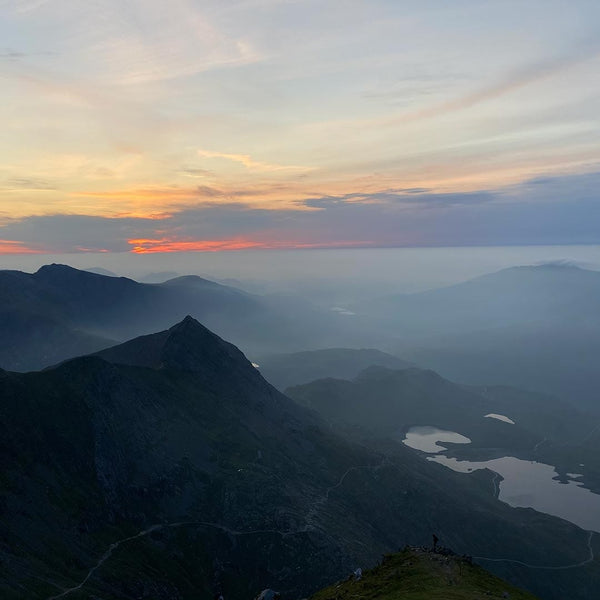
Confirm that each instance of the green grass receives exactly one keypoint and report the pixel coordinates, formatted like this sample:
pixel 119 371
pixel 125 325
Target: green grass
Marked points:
pixel 416 575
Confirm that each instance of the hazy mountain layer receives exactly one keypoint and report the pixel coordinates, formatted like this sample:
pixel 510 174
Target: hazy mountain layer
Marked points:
pixel 386 402
pixel 285 370
pixel 168 467
pixel 534 327
pixel 60 312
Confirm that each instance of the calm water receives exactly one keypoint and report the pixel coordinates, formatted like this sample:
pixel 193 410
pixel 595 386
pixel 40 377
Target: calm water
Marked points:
pixel 500 418
pixel 426 438
pixel 525 483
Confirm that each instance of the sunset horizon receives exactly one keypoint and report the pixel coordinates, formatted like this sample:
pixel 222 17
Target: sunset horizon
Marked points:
pixel 273 124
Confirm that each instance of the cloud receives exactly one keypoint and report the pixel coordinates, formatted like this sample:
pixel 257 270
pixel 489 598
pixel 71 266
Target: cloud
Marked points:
pixel 410 197
pixel 12 55
pixel 166 245
pixel 584 51
pixel 26 184
pixel 250 163
pixel 148 41
pixel 548 210
pixel 196 173
pixel 17 247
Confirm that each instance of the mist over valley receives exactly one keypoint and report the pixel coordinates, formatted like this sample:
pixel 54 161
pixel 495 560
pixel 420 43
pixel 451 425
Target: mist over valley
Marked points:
pixel 183 443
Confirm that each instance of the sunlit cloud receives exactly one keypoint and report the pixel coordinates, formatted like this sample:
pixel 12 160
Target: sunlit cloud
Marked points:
pixel 16 247
pixel 150 246
pixel 250 163
pixel 544 210
pixel 276 122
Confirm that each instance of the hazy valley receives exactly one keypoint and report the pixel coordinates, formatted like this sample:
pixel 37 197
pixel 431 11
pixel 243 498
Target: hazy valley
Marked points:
pixel 167 466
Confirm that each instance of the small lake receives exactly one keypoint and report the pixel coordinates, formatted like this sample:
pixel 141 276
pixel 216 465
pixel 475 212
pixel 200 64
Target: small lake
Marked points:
pixel 525 483
pixel 426 438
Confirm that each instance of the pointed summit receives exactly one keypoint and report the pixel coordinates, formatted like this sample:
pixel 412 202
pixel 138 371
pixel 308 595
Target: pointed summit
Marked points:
pixel 187 346
pixel 190 346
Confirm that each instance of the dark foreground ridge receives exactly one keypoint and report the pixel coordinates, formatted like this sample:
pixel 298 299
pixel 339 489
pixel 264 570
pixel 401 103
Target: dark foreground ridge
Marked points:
pixel 419 573
pixel 167 467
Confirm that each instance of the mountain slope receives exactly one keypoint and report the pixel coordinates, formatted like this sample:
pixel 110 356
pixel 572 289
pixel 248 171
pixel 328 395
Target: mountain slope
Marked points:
pixel 168 467
pixel 421 574
pixel 517 295
pixel 296 368
pixel 60 312
pixel 532 327
pixel 386 402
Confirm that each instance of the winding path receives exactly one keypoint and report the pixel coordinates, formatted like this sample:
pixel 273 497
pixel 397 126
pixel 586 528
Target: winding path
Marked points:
pixel 233 532
pixel 104 558
pixel 309 523
pixel 588 560
pixel 158 527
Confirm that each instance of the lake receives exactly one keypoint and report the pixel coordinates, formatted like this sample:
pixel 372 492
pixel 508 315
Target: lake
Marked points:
pixel 525 483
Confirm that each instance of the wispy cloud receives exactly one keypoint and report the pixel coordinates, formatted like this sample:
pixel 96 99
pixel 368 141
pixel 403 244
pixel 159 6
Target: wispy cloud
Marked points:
pixel 145 41
pixel 250 163
pixel 26 184
pixel 154 246
pixel 16 247
pixel 519 78
pixel 150 110
pixel 546 210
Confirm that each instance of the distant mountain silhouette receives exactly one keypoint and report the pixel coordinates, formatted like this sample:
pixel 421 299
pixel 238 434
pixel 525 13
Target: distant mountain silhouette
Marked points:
pixel 167 466
pixel 59 312
pixel 285 370
pixel 101 271
pixel 387 402
pixel 535 327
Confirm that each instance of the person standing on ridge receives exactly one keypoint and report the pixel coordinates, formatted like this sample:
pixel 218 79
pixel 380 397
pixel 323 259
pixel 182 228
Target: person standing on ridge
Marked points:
pixel 435 542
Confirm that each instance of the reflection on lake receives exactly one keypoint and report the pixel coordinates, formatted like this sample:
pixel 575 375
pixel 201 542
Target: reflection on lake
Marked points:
pixel 532 484
pixel 426 438
pixel 525 483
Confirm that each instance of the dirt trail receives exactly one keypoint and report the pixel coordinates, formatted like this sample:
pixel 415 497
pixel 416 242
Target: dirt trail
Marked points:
pixel 309 523
pixel 233 532
pixel 588 560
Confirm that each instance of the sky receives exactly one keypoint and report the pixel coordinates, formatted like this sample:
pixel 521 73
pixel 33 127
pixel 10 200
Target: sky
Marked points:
pixel 147 126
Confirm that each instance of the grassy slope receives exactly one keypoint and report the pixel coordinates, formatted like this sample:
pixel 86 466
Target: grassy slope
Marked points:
pixel 417 575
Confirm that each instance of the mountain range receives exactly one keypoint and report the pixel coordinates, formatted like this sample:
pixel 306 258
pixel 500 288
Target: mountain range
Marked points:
pixel 60 312
pixel 167 467
pixel 536 327
pixel 295 368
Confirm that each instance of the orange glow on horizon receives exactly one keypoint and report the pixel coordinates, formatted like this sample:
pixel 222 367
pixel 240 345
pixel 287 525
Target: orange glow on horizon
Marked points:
pixel 166 245
pixel 13 247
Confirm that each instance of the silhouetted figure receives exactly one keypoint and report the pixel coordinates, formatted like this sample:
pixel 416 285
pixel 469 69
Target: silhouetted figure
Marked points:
pixel 435 542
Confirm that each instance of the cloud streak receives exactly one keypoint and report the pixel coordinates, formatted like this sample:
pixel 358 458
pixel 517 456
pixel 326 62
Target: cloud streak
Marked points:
pixel 166 245
pixel 17 247
pixel 545 210
pixel 254 165
pixel 147 110
pixel 520 78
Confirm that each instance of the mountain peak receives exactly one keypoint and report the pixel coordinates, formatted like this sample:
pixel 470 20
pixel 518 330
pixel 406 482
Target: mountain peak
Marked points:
pixel 186 346
pixel 188 322
pixel 190 346
pixel 55 268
